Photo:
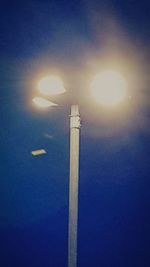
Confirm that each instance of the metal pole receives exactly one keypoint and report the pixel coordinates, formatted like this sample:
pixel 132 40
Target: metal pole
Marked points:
pixel 73 185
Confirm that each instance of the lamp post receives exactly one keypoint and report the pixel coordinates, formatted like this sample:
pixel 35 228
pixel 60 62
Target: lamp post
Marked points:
pixel 73 185
pixel 109 89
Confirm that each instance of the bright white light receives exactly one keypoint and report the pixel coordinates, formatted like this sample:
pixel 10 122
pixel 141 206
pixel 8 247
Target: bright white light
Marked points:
pixel 42 102
pixel 51 85
pixel 109 88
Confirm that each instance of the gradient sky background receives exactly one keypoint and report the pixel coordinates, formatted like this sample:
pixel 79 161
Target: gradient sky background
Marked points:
pixel 75 39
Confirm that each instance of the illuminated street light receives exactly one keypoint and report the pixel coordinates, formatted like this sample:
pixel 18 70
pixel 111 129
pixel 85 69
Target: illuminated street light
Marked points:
pixel 51 85
pixel 108 88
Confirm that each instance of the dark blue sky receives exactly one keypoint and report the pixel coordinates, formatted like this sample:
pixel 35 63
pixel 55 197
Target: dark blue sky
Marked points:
pixel 74 38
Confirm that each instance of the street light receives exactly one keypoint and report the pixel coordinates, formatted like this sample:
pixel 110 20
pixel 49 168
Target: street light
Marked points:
pixel 108 88
pixel 51 85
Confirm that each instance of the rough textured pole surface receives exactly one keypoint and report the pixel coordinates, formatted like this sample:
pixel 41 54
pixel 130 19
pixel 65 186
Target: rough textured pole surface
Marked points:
pixel 73 186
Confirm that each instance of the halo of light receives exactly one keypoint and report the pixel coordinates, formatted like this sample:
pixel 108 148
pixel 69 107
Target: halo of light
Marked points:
pixel 51 85
pixel 109 88
pixel 42 102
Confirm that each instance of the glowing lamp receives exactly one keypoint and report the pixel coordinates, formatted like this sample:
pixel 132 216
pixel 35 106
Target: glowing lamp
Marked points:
pixel 109 88
pixel 51 85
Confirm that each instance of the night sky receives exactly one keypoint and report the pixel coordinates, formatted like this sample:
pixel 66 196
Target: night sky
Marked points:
pixel 75 39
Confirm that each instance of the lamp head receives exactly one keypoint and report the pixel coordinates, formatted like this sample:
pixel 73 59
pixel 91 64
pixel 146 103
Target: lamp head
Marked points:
pixel 109 88
pixel 51 85
pixel 42 102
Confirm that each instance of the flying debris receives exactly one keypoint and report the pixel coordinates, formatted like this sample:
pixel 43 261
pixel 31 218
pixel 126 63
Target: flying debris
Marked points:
pixel 48 136
pixel 38 152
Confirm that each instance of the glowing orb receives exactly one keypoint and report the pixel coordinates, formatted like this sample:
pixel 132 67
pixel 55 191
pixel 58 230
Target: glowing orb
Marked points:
pixel 109 88
pixel 51 85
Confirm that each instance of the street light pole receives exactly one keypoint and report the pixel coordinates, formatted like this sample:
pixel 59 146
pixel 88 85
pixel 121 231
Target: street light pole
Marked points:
pixel 73 185
pixel 109 89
